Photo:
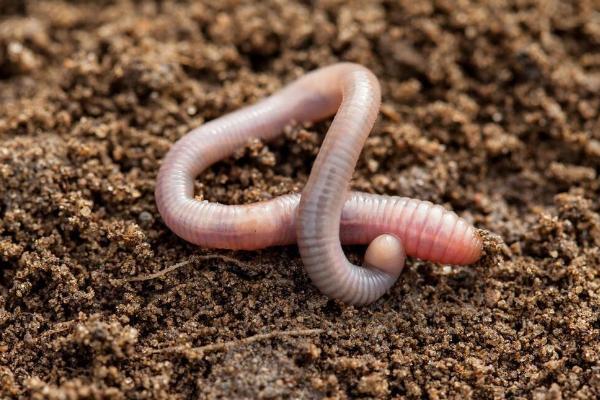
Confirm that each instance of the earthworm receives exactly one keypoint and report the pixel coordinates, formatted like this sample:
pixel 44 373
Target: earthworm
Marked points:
pixel 327 214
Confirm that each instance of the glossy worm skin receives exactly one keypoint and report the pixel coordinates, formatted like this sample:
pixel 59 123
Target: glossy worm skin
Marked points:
pixel 326 214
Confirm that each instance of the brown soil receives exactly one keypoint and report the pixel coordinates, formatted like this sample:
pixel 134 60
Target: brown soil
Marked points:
pixel 490 109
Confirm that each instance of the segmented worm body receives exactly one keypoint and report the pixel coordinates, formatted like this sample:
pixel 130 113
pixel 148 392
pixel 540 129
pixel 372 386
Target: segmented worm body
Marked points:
pixel 327 214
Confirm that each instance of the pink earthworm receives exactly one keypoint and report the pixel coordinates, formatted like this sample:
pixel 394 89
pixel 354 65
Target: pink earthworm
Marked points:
pixel 327 214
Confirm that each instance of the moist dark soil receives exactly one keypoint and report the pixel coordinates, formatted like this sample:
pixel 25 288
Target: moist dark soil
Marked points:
pixel 490 109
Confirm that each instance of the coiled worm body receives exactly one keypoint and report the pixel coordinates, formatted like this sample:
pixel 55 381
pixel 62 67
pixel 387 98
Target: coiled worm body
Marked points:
pixel 326 213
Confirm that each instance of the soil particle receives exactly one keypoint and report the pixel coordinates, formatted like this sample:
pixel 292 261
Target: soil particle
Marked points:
pixel 489 108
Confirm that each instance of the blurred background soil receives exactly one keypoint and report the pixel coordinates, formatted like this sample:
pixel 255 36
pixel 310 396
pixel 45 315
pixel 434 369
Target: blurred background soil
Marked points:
pixel 490 108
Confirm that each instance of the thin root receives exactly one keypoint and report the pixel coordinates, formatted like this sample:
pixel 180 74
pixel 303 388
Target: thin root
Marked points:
pixel 165 271
pixel 199 352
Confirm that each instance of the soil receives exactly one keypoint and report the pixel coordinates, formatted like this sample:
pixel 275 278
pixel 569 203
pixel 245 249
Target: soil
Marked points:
pixel 490 109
